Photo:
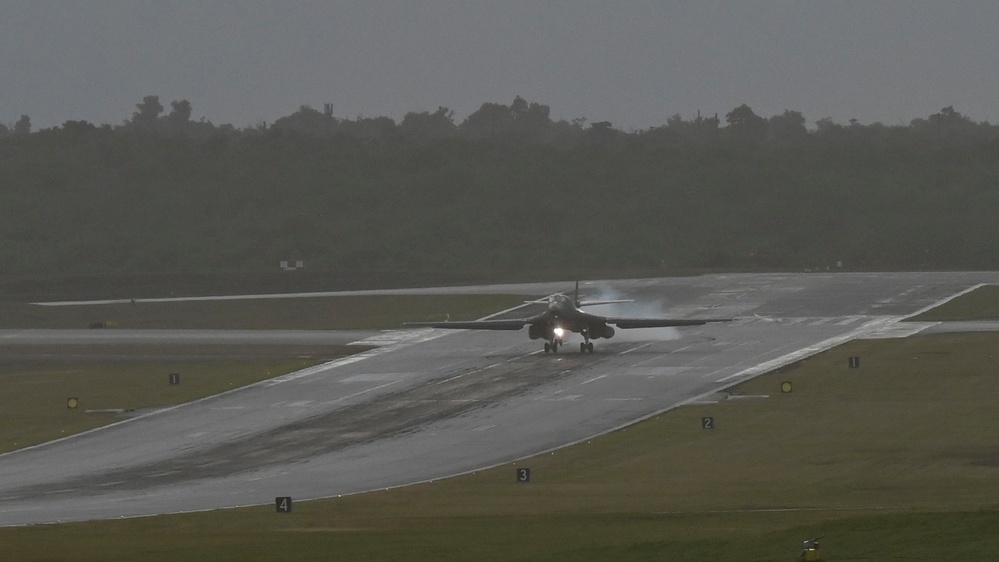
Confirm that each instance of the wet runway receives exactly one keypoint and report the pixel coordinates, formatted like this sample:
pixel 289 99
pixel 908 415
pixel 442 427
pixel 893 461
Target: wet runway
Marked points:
pixel 425 404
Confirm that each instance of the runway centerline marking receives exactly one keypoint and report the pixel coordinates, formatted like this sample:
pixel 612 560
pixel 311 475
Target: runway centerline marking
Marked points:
pixel 635 348
pixel 349 396
pixel 420 337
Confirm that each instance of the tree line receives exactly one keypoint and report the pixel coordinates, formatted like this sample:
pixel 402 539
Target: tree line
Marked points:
pixel 507 190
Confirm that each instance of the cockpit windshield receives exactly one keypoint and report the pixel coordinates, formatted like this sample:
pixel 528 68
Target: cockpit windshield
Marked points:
pixel 559 300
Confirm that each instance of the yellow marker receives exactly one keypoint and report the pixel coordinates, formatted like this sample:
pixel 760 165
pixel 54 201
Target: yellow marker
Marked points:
pixel 785 387
pixel 72 403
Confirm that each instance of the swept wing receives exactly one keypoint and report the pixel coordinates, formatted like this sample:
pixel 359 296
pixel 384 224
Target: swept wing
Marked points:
pixel 475 324
pixel 659 322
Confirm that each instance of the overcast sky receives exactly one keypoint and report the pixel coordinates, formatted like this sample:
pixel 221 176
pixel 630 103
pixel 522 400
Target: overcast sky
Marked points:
pixel 633 63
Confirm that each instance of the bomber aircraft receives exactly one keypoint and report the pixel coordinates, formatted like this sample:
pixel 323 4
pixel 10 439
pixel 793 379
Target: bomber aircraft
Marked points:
pixel 562 315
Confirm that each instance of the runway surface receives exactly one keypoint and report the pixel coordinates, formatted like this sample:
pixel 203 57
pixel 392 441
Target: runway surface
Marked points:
pixel 425 404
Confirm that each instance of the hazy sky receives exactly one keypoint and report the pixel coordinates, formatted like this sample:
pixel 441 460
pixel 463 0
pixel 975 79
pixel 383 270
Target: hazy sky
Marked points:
pixel 633 63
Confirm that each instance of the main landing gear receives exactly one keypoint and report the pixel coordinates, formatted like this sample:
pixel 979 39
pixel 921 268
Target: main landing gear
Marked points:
pixel 586 344
pixel 552 346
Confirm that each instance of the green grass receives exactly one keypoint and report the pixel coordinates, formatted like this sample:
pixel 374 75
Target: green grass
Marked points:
pixel 308 534
pixel 34 394
pixel 980 304
pixel 896 460
pixel 313 313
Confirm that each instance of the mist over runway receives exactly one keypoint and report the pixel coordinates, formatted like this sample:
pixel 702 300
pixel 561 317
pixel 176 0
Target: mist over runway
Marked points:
pixel 424 404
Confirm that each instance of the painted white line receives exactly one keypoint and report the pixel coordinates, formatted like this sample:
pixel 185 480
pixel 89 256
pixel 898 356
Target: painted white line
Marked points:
pixel 635 348
pixel 356 394
pixel 447 380
pixel 593 379
pixel 63 491
pixel 946 300
pixel 419 337
pixel 900 330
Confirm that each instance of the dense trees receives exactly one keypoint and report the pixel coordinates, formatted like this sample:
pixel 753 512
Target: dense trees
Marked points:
pixel 23 126
pixel 425 126
pixel 506 190
pixel 745 124
pixel 148 111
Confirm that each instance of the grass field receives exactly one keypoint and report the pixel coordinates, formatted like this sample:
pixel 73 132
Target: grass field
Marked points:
pixel 897 460
pixel 34 394
pixel 980 304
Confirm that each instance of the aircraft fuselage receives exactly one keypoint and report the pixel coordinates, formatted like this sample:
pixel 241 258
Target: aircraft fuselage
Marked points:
pixel 563 316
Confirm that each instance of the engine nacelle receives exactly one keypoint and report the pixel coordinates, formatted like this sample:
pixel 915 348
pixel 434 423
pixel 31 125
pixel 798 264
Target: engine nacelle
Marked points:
pixel 601 331
pixel 537 332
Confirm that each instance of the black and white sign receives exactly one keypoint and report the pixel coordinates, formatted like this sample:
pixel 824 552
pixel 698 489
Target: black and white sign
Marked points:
pixel 523 475
pixel 283 504
pixel 707 423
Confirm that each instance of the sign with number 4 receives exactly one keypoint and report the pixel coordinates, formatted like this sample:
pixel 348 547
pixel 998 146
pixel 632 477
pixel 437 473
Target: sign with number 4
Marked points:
pixel 283 504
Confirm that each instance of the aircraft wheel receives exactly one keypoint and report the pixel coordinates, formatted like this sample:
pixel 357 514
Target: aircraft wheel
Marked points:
pixel 589 346
pixel 554 347
pixel 582 347
pixel 548 347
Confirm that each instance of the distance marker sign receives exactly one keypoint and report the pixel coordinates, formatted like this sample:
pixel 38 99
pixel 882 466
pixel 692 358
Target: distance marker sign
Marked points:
pixel 523 475
pixel 283 504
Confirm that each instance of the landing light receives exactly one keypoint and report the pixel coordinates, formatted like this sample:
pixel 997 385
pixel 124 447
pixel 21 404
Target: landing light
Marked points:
pixel 559 332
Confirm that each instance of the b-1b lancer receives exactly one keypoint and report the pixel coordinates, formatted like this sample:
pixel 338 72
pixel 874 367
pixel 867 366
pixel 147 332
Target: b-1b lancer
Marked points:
pixel 564 315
